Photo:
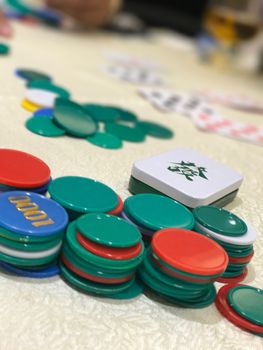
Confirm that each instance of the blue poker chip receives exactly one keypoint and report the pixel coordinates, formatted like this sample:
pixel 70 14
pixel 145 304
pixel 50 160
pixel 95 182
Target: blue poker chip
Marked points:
pixel 44 112
pixel 49 271
pixel 31 214
pixel 41 190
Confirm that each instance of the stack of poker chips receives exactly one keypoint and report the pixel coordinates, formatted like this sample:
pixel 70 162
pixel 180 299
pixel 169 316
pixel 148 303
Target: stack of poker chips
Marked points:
pixel 80 195
pixel 153 212
pixel 100 256
pixel 233 234
pixel 243 306
pixel 31 233
pixel 23 171
pixel 181 266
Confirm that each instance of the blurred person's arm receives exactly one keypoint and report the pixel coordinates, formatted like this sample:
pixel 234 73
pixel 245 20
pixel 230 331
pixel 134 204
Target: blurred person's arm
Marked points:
pixel 5 27
pixel 88 13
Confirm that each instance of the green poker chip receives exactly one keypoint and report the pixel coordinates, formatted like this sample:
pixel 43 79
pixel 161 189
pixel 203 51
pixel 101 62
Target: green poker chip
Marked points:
pixel 30 75
pixel 44 126
pixel 155 130
pixel 4 49
pixel 220 221
pixel 180 285
pixel 156 212
pixel 119 265
pixel 83 195
pixel 16 237
pixel 132 292
pixel 105 140
pixel 247 301
pixel 125 132
pixel 108 230
pixel 93 287
pixel 205 302
pixel 73 118
pixel 87 267
pixel 101 113
pixel 126 115
pixel 29 247
pixel 48 86
pixel 27 262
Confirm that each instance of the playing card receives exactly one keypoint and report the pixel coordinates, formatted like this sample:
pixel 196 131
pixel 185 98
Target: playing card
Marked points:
pixel 235 101
pixel 133 74
pixel 229 128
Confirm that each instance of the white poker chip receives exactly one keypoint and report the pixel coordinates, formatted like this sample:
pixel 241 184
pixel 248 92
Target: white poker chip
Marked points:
pixel 29 255
pixel 41 97
pixel 247 239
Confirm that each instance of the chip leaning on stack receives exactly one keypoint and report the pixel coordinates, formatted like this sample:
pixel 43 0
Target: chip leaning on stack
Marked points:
pixel 100 256
pixel 31 232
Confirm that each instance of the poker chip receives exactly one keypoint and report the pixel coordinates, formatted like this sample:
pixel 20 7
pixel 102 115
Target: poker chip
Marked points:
pixel 102 113
pixel 41 97
pixel 4 49
pixel 31 75
pixel 29 106
pixel 125 132
pixel 152 212
pixel 99 227
pixel 79 195
pixel 105 140
pixel 48 86
pixel 242 306
pixel 100 256
pixel 44 112
pixel 21 170
pixel 73 118
pixel 117 211
pixel 31 233
pixel 233 234
pixel 45 272
pixel 220 221
pixel 197 261
pixel 44 126
pixel 155 130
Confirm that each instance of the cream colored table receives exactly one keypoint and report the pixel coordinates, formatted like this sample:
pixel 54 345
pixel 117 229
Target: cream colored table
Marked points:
pixel 48 314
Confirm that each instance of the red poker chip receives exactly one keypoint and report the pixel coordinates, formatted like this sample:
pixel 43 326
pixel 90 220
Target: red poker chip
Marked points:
pixel 22 170
pixel 118 209
pixel 226 310
pixel 109 252
pixel 231 280
pixel 244 260
pixel 93 278
pixel 190 252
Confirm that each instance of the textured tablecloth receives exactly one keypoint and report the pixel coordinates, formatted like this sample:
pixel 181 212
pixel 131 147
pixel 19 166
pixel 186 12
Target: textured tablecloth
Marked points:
pixel 50 315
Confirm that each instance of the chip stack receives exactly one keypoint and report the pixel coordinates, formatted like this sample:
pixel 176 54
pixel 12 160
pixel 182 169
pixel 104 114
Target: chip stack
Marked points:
pixel 181 266
pixel 243 306
pixel 23 171
pixel 233 234
pixel 81 195
pixel 100 256
pixel 153 212
pixel 31 233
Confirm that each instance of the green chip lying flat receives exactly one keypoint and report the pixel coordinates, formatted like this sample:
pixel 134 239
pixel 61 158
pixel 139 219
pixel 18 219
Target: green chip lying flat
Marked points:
pixel 74 118
pixel 155 130
pixel 4 49
pixel 101 113
pixel 29 75
pixel 127 133
pixel 105 140
pixel 44 126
